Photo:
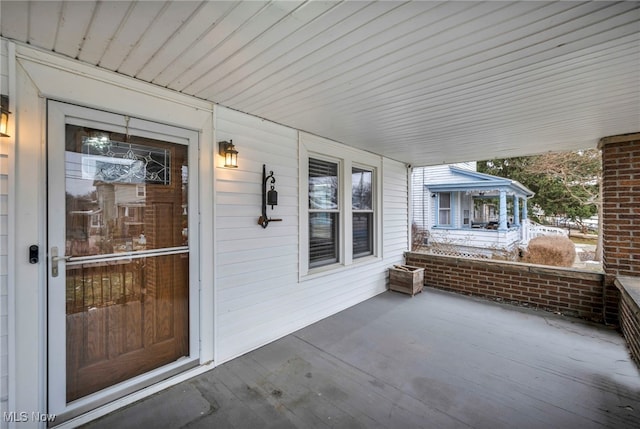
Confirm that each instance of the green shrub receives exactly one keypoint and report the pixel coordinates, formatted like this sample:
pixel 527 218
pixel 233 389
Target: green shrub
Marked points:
pixel 555 250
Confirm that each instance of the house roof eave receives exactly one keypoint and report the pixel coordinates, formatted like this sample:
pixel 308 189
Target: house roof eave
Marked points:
pixel 481 181
pixel 507 186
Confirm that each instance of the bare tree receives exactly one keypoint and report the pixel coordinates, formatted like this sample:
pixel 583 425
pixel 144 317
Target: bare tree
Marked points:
pixel 580 174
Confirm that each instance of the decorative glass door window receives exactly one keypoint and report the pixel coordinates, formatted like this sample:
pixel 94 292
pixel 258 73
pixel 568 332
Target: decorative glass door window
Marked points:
pixel 112 161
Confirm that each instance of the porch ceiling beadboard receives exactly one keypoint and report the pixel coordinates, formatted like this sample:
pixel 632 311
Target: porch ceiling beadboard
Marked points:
pixel 419 82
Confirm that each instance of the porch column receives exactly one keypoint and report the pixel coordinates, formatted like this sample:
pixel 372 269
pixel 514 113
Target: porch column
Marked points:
pixel 620 214
pixel 516 212
pixel 621 193
pixel 503 211
pixel 524 234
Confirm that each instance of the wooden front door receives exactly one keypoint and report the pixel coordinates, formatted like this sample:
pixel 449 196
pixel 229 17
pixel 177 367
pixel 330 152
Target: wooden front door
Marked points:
pixel 119 255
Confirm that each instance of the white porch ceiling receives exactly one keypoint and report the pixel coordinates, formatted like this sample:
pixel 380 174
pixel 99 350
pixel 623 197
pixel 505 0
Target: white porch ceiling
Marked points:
pixel 421 82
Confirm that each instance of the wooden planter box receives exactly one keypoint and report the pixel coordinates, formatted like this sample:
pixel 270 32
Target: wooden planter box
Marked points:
pixel 406 279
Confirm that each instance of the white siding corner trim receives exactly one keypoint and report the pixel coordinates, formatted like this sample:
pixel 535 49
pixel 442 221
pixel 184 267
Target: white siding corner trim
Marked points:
pixel 6 184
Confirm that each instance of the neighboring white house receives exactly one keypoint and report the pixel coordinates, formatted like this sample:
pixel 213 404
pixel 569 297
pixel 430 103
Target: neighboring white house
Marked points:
pixel 473 212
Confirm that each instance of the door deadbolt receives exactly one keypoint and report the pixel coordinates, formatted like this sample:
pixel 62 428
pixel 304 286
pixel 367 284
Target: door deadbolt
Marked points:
pixel 34 254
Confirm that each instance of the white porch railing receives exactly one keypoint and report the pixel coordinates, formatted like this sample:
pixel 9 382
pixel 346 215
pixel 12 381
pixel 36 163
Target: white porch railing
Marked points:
pixel 532 230
pixel 487 241
pixel 476 238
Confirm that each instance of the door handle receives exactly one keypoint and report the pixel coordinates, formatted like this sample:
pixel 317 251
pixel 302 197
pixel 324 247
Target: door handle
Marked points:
pixel 55 259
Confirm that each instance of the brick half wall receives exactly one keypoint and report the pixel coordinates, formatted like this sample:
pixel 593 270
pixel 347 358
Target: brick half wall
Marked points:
pixel 630 313
pixel 567 291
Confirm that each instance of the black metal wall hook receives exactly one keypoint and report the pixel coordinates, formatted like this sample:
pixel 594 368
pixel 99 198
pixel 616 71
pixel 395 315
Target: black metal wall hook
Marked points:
pixel 268 198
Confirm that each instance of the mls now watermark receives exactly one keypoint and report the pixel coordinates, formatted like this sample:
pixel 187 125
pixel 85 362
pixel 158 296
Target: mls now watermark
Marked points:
pixel 24 416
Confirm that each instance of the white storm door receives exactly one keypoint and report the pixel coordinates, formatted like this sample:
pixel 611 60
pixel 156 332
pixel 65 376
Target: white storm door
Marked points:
pixel 122 255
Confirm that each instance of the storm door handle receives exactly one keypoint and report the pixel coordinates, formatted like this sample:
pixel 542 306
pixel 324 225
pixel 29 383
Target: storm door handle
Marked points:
pixel 55 259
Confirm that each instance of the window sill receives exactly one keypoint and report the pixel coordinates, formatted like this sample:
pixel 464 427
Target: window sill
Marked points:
pixel 327 270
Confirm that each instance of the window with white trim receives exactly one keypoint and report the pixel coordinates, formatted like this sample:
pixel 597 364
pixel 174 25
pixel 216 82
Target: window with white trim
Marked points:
pixel 444 208
pixel 362 211
pixel 339 206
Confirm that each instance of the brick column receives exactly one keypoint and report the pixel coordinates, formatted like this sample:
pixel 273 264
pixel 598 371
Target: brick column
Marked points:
pixel 620 214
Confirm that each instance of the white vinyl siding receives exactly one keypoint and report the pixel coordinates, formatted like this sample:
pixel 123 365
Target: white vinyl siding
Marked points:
pixel 423 201
pixel 259 294
pixel 395 213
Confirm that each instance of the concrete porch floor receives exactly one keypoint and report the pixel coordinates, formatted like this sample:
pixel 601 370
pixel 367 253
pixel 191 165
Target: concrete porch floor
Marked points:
pixel 437 360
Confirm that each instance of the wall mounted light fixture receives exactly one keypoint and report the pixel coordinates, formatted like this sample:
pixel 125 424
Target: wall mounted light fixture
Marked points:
pixel 228 150
pixel 4 115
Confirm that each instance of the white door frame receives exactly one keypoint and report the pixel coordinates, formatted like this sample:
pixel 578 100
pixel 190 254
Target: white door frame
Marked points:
pixel 59 115
pixel 36 77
